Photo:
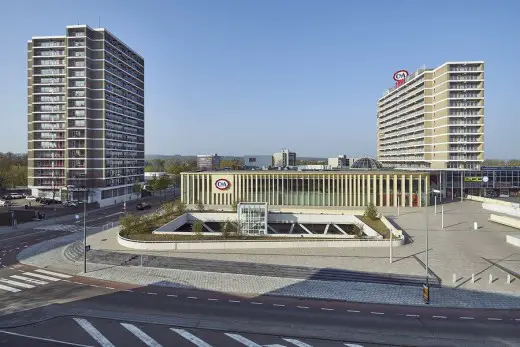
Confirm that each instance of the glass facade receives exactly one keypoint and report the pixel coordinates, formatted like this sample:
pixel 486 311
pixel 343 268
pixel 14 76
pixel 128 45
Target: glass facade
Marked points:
pixel 252 218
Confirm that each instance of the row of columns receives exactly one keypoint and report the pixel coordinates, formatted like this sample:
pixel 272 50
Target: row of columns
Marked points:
pixel 342 190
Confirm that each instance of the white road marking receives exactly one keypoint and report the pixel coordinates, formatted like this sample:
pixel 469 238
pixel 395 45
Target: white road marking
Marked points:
pixel 243 340
pixel 494 318
pixel 96 335
pixel 52 273
pixel 141 335
pixel 110 288
pixel 327 309
pixel 192 297
pixel 9 289
pixel 16 284
pixel 256 303
pixel 212 299
pixel 440 317
pixel 190 337
pixel 234 301
pixel 172 295
pixel 278 305
pixel 412 315
pixel 352 345
pixel 48 278
pixel 151 293
pixel 44 339
pixel 302 307
pixel 467 318
pixel 353 311
pixel 297 343
pixel 377 312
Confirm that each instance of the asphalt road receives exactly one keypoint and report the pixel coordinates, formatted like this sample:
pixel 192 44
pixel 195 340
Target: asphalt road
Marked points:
pixel 210 316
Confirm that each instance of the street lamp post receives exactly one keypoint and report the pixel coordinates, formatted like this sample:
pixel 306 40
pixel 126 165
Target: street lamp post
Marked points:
pixel 85 232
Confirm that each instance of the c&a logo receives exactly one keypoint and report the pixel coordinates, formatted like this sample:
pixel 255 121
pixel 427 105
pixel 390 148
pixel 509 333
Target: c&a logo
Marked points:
pixel 222 184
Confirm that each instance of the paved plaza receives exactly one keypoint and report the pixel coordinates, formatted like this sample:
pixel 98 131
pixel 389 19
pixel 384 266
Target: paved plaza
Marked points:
pixel 455 250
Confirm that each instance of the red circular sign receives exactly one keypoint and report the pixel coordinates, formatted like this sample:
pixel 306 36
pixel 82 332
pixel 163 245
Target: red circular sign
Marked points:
pixel 400 75
pixel 222 184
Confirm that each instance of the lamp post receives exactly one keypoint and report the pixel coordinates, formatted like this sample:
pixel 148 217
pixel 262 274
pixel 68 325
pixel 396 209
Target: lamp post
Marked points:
pixel 85 231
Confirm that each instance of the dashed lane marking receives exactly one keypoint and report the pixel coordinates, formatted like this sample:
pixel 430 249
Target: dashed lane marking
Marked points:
pixel 171 295
pixel 212 299
pixel 96 334
pixel 440 317
pixel 278 305
pixel 190 337
pixel 412 315
pixel 467 318
pixel 141 335
pixel 256 303
pixel 234 301
pixel 377 312
pixel 327 309
pixel 304 307
pixel 192 297
pixel 353 311
pixel 150 293
pixel 494 319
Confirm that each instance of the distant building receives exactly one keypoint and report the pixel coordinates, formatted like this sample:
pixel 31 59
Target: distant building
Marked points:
pixel 284 158
pixel 208 162
pixel 341 162
pixel 258 161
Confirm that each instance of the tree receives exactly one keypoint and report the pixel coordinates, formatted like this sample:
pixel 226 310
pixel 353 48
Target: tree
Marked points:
pixel 197 228
pixel 234 206
pixel 371 211
pixel 200 206
pixel 137 188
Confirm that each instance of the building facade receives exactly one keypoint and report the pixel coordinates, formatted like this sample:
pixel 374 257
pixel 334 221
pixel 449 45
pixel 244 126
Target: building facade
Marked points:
pixel 208 162
pixel 318 189
pixel 433 118
pixel 85 116
pixel 284 158
pixel 258 161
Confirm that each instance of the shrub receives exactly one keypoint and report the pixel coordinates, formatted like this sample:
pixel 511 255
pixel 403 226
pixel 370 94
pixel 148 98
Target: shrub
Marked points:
pixel 371 211
pixel 200 206
pixel 234 206
pixel 197 229
pixel 180 207
pixel 225 230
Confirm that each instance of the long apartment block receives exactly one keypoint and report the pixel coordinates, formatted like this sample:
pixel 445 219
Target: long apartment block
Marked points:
pixel 85 116
pixel 435 119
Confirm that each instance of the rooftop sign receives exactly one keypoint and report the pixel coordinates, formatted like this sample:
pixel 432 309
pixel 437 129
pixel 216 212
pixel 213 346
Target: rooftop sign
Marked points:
pixel 222 184
pixel 400 77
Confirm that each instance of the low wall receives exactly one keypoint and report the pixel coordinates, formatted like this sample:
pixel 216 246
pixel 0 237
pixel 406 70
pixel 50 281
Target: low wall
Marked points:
pixel 229 244
pixel 512 222
pixel 397 233
pixel 510 210
pixel 492 201
pixel 513 239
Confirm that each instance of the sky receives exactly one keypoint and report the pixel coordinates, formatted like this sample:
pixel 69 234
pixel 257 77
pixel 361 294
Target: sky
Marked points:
pixel 255 76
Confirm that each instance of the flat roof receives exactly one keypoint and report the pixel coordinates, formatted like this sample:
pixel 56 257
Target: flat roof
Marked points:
pixel 297 172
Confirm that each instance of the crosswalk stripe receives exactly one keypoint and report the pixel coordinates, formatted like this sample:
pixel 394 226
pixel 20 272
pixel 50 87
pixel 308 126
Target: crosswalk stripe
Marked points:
pixel 52 273
pixel 298 343
pixel 16 284
pixel 190 337
pixel 96 335
pixel 41 276
pixel 9 289
pixel 243 340
pixel 141 335
pixel 27 279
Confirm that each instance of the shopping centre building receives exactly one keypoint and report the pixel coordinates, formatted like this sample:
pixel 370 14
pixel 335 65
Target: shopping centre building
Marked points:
pixel 350 188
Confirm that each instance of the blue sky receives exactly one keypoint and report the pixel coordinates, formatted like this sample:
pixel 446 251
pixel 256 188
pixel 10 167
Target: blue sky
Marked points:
pixel 252 77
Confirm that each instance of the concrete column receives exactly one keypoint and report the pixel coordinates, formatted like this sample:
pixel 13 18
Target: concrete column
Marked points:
pixel 419 197
pixel 323 198
pixel 358 191
pixel 182 188
pixel 345 190
pixel 380 191
pixel 188 177
pixel 403 191
pixel 349 190
pixel 410 192
pixel 387 190
pixel 427 189
pixel 374 193
pixel 395 190
pixel 368 189
pixel 362 182
pixel 256 188
pixel 284 198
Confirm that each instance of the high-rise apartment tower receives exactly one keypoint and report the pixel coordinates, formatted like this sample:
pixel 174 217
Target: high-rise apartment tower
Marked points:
pixel 85 115
pixel 433 118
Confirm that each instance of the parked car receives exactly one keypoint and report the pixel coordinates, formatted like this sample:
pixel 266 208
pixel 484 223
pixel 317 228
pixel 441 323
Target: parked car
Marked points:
pixel 5 203
pixel 143 206
pixel 31 198
pixel 69 204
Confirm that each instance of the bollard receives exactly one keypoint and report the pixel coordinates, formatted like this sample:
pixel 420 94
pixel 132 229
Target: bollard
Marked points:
pixel 475 226
pixel 508 279
pixel 490 278
pixel 141 260
pixel 472 278
pixel 454 278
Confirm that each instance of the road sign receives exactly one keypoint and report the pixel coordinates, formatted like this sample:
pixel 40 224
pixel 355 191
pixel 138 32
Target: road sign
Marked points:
pixel 426 293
